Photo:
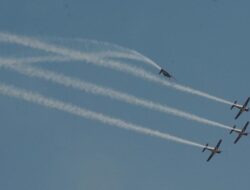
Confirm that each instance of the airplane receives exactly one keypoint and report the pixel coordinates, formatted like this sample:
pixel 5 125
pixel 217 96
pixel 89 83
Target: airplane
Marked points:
pixel 214 150
pixel 165 73
pixel 241 132
pixel 242 108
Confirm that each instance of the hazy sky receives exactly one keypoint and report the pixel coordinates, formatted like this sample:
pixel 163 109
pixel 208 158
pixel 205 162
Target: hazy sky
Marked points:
pixel 204 44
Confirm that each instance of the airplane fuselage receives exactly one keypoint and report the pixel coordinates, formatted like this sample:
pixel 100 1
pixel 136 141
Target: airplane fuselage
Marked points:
pixel 165 73
pixel 240 132
pixel 245 133
pixel 214 150
pixel 241 107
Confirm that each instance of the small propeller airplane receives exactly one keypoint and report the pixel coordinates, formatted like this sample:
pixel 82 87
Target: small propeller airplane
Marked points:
pixel 241 132
pixel 242 108
pixel 214 150
pixel 165 73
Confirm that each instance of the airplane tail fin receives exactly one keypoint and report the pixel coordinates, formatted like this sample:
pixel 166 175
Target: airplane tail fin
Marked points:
pixel 235 102
pixel 205 148
pixel 233 129
pixel 160 72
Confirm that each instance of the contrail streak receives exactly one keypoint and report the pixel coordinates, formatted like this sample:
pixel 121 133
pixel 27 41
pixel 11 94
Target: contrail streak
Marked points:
pixel 114 51
pixel 77 55
pixel 133 55
pixel 78 111
pixel 95 89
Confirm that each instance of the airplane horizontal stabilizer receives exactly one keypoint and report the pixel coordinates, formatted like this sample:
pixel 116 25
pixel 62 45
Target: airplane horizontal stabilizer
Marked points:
pixel 235 102
pixel 205 148
pixel 233 129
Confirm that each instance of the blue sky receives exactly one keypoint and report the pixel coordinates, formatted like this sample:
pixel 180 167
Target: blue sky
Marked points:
pixel 205 44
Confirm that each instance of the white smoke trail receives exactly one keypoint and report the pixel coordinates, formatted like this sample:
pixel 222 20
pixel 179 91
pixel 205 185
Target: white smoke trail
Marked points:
pixel 77 55
pixel 116 54
pixel 146 59
pixel 95 89
pixel 133 56
pixel 114 51
pixel 75 110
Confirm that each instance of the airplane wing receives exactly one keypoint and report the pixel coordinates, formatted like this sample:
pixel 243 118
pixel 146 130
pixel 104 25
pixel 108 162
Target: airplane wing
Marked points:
pixel 218 144
pixel 245 127
pixel 245 105
pixel 240 112
pixel 211 156
pixel 238 138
